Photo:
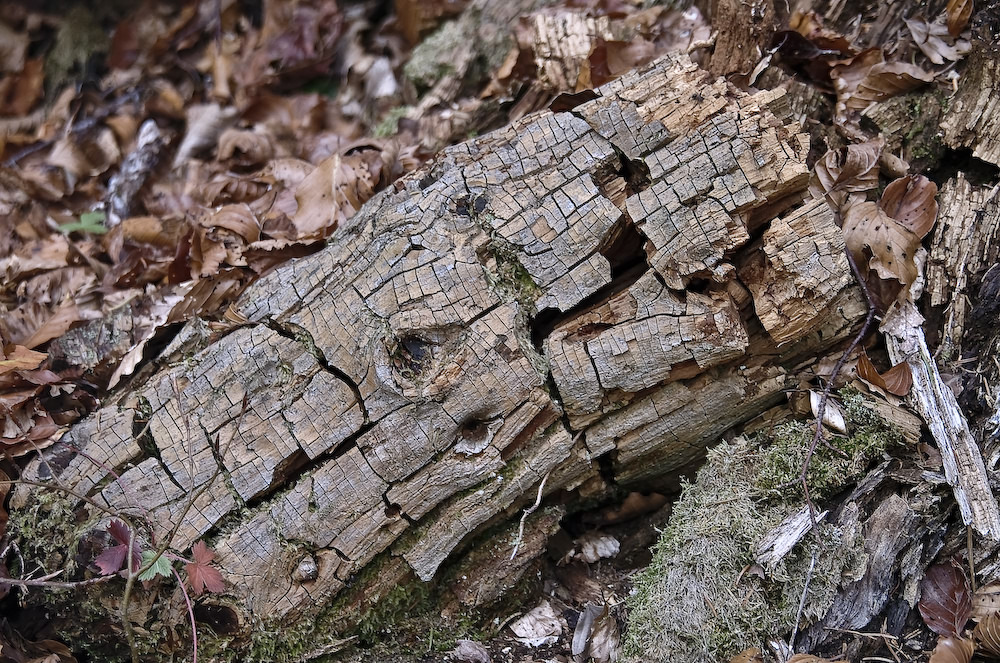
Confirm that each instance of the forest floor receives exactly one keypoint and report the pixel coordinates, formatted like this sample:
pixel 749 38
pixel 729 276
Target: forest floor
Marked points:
pixel 157 161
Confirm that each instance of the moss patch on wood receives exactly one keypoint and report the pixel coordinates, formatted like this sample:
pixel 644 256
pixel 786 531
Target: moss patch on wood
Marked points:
pixel 700 598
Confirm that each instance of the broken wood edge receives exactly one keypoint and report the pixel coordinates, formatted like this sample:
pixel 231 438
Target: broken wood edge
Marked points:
pixel 933 399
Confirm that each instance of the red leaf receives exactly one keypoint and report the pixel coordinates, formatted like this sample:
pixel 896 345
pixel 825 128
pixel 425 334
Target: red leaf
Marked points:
pixel 201 576
pixel 113 558
pixel 945 601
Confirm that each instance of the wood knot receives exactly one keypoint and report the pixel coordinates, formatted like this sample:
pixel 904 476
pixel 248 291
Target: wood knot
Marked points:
pixel 307 570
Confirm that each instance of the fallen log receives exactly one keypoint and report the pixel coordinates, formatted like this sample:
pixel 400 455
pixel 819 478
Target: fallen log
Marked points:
pixel 587 297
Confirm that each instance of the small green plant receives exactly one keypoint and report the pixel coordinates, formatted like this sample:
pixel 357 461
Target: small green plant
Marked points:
pixel 89 222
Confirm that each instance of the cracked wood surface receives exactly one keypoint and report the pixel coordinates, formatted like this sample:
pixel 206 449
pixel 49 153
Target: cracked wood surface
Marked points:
pixel 623 282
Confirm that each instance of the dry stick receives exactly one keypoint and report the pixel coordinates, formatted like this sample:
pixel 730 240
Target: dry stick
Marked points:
pixel 194 626
pixel 802 602
pixel 821 410
pixel 527 512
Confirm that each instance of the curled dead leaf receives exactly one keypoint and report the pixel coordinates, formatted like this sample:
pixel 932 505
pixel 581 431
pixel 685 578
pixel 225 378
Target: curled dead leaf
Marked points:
pixel 987 634
pixel 886 80
pixel 19 358
pixel 833 416
pixel 850 170
pixel 810 26
pixel 958 12
pixel 986 600
pixel 881 244
pixel 934 40
pixel 953 650
pixel 897 380
pixel 911 201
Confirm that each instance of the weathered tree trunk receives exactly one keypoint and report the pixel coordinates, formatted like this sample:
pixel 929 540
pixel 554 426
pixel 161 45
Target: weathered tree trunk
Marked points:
pixel 585 297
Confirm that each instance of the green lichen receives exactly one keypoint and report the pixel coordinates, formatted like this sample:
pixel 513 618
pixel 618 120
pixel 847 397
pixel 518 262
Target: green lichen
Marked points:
pixel 696 601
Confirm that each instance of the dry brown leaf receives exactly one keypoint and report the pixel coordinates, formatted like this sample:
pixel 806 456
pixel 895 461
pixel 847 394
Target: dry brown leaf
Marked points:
pixel 810 26
pixel 246 148
pixel 751 655
pixel 879 242
pixel 19 358
pixel 33 324
pixel 987 633
pixel 205 123
pixel 945 599
pixel 808 658
pixel 958 12
pixel 953 650
pixel 848 74
pixel 897 380
pixel 885 80
pixel 297 42
pixel 85 155
pixel 935 42
pixel 911 201
pixel 333 192
pixel 850 170
pixel 21 91
pixel 986 600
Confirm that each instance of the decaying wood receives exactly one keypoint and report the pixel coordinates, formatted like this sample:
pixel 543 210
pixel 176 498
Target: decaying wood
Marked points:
pixel 965 243
pixel 963 462
pixel 744 31
pixel 626 281
pixel 973 118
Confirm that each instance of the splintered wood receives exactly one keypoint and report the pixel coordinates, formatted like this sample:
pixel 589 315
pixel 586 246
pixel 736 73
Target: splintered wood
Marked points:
pixel 577 287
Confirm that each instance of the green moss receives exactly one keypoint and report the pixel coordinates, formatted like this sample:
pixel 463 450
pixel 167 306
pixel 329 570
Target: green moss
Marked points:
pixel 696 601
pixel 389 125
pixel 831 466
pixel 431 60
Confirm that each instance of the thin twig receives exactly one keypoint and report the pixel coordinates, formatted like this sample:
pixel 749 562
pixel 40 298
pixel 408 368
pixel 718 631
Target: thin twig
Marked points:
pixel 821 409
pixel 527 512
pixel 802 602
pixel 194 626
pixel 55 584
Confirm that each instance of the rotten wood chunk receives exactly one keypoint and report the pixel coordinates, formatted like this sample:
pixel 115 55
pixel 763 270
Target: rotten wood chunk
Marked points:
pixel 390 397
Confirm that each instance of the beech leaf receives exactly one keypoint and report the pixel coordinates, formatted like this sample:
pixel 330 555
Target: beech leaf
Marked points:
pixel 886 80
pixel 987 634
pixel 853 169
pixel 897 380
pixel 910 200
pixel 201 576
pixel 945 600
pixel 953 650
pixel 868 230
pixel 986 600
pixel 935 42
pixel 959 12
